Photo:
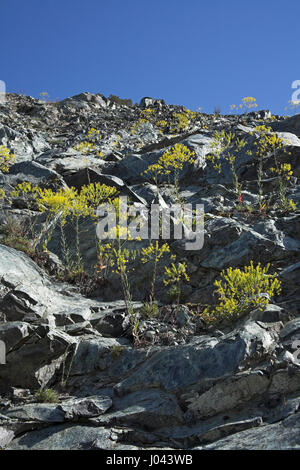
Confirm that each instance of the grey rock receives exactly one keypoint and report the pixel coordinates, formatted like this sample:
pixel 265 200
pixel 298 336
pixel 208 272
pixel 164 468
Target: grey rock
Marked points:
pixel 35 173
pixel 231 243
pixel 290 124
pixel 35 296
pixel 291 330
pixel 151 409
pixel 65 437
pixel 84 177
pixel 95 354
pixel 220 432
pixel 147 101
pixel 229 394
pixel 270 313
pixel 13 333
pixel 284 435
pixel 77 409
pixel 41 413
pixel 34 362
pixel 132 167
pixel 183 316
pixel 111 324
pixel 6 436
pixel 68 161
pixel 203 360
pixel 235 388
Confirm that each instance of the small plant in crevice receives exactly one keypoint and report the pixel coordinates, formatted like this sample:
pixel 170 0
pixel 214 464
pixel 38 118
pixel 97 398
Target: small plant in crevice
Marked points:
pixel 47 395
pixel 174 276
pixel 149 310
pixel 116 351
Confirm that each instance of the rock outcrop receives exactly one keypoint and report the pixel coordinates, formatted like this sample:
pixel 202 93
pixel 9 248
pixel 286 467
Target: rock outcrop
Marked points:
pixel 184 385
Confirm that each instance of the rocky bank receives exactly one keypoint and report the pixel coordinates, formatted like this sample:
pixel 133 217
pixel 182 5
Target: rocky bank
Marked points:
pixel 186 385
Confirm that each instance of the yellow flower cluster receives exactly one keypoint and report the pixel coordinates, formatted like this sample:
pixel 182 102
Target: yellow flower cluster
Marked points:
pixel 285 170
pixel 175 274
pixel 269 142
pixel 68 201
pixel 148 113
pixel 116 142
pixel 64 201
pixel 191 114
pixel 291 205
pixel 85 147
pixel 2 194
pixel 154 252
pixel 24 188
pixel 138 125
pixel 122 257
pixel 267 139
pixel 182 122
pixel 162 124
pixel 95 194
pixel 172 161
pixel 241 290
pixel 6 159
pixel 176 157
pixel 94 134
pixel 89 146
pixel 248 103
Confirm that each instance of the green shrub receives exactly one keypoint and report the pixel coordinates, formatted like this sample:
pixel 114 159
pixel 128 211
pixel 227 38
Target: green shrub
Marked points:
pixel 46 395
pixel 149 310
pixel 116 99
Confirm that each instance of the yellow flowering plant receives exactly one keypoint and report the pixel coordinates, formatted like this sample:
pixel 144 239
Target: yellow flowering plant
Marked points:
pixel 225 147
pixel 174 276
pixel 248 102
pixel 182 121
pixel 6 158
pixel 170 164
pixel 153 253
pixel 88 146
pixel 268 142
pixel 241 290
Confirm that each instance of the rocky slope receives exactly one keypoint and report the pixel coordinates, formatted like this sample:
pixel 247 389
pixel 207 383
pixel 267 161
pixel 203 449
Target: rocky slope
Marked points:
pixel 188 385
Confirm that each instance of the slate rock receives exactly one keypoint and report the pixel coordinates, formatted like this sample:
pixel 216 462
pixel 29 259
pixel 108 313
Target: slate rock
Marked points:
pixel 284 435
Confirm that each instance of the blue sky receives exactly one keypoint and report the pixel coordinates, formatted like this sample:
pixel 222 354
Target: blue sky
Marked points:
pixel 189 52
